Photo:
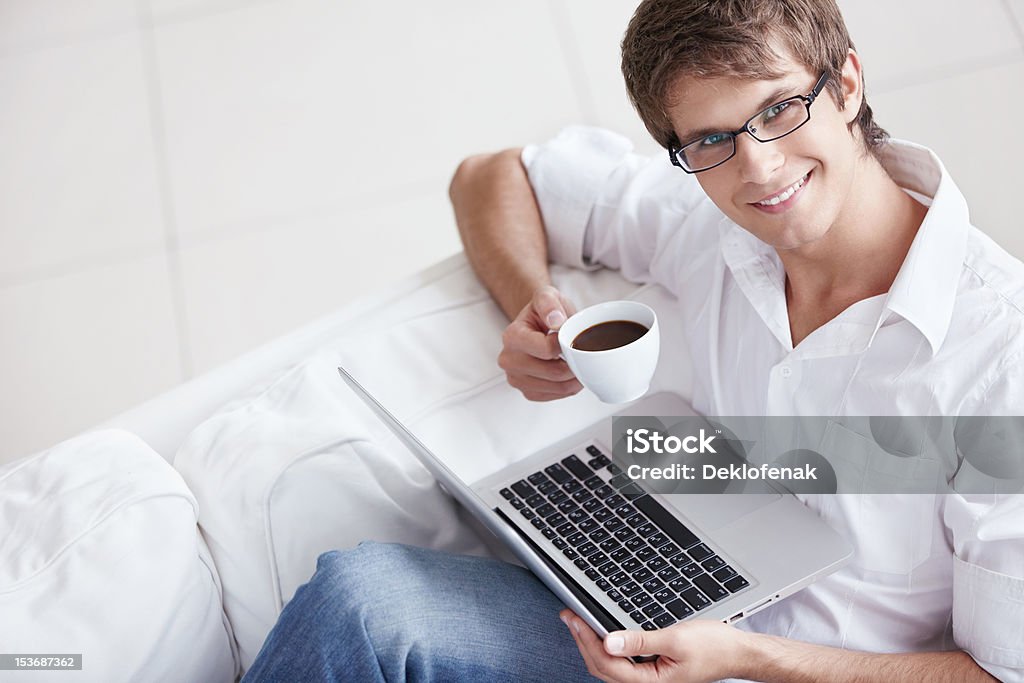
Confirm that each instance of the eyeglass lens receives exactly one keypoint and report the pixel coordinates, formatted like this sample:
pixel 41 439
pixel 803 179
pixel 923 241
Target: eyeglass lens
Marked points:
pixel 774 122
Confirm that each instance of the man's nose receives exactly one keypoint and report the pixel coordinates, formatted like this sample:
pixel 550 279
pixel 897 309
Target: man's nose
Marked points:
pixel 758 160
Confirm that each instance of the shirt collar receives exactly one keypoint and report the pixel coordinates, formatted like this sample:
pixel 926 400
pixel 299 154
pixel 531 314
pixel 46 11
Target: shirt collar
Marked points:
pixel 924 290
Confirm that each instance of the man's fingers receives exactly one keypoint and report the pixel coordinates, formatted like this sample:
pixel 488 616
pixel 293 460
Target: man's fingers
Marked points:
pixel 523 364
pixel 521 337
pixel 544 390
pixel 547 303
pixel 599 662
pixel 633 643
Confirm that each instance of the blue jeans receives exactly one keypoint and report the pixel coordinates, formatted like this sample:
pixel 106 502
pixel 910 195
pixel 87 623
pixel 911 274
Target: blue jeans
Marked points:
pixel 382 612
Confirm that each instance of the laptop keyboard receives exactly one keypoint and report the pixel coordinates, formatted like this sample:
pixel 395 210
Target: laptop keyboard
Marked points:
pixel 637 552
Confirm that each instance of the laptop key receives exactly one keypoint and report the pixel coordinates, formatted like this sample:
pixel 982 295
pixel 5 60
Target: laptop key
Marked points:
pixel 604 491
pixel 669 550
pixel 609 546
pixel 630 589
pixel 668 522
pixel 664 596
pixel 547 487
pixel 635 543
pixel 567 506
pixel 592 504
pixel 668 574
pixel 657 564
pixel 637 520
pixel 624 534
pixel 603 514
pixel 599 535
pixel 618 578
pixel 621 554
pixel 680 560
pixel 658 539
pixel 637 616
pixel 679 609
pixel 546 510
pixel 598 558
pixel 700 552
pixel 632 491
pixel 736 583
pixel 625 511
pixel 593 482
pixel 587 548
pixel 614 524
pixel 695 598
pixel 595 451
pixel 564 529
pixel 577 515
pixel 653 585
pixel 548 532
pixel 724 573
pixel 641 599
pixel 507 494
pixel 598 462
pixel 587 525
pixel 558 496
pixel 523 489
pixel 642 574
pixel 649 626
pixel 536 500
pixel 576 466
pixel 559 543
pixel 652 610
pixel 582 496
pixel 647 529
pixel 527 512
pixel 614 469
pixel 692 570
pixel 556 520
pixel 537 478
pixel 517 503
pixel 664 620
pixel 581 563
pixel 712 563
pixel 571 485
pixel 592 574
pixel 538 523
pixel 576 539
pixel 679 585
pixel 620 480
pixel 558 473
pixel 570 553
pixel 710 587
pixel 614 501
pixel 645 553
pixel 614 594
pixel 630 565
pixel 608 569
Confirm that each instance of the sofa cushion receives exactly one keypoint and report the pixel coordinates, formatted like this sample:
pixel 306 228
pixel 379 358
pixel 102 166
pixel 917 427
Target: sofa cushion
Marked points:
pixel 100 555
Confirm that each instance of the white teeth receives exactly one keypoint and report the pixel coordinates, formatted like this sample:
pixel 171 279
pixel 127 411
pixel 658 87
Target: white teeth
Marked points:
pixel 785 194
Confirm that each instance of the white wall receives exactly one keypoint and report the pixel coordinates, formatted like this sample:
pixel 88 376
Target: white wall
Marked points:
pixel 182 180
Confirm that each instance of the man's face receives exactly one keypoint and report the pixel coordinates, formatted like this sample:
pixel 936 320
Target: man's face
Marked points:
pixel 823 154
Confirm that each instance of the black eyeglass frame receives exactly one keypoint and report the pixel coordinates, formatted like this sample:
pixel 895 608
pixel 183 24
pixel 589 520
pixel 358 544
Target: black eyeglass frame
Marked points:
pixel 807 100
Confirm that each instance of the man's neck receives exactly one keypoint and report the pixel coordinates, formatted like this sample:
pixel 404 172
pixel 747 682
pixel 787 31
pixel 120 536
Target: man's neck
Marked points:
pixel 860 255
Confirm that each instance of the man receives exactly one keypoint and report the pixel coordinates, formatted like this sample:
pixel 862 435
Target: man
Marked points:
pixel 820 269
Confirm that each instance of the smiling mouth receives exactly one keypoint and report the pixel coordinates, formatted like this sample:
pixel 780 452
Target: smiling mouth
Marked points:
pixel 783 195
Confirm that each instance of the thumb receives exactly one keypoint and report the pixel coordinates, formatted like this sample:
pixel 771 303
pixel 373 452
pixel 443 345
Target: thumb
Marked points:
pixel 632 643
pixel 547 302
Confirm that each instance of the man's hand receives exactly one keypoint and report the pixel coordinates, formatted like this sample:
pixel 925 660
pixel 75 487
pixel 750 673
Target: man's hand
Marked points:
pixel 695 651
pixel 530 355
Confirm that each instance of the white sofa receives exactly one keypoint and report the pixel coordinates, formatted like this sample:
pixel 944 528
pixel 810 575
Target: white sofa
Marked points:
pixel 163 544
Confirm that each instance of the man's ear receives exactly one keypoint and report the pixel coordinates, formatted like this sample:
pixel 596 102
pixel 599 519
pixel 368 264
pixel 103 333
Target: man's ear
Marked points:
pixel 853 86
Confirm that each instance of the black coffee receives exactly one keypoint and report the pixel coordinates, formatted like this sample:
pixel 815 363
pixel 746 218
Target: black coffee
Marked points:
pixel 608 335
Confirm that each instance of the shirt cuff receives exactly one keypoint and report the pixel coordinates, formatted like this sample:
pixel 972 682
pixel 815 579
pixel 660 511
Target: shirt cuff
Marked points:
pixel 988 618
pixel 567 175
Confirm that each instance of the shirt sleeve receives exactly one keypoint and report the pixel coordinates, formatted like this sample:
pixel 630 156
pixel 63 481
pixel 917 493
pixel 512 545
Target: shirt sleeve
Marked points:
pixel 987 529
pixel 604 205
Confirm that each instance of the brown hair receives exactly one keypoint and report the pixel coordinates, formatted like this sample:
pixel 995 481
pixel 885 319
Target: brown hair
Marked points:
pixel 715 38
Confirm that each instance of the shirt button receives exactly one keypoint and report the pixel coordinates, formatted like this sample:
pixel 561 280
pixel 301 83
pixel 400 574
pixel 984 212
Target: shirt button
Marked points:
pixel 786 371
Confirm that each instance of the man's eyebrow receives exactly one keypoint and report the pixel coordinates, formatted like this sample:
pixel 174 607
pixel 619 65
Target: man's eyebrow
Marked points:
pixel 775 96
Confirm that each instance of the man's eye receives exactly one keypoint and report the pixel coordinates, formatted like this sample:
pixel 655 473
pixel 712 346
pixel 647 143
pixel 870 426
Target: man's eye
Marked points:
pixel 774 110
pixel 716 139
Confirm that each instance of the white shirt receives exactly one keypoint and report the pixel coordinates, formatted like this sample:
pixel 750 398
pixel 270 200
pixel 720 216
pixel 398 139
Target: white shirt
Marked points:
pixel 930 572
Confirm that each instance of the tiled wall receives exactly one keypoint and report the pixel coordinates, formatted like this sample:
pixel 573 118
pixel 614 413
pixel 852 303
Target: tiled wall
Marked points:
pixel 183 180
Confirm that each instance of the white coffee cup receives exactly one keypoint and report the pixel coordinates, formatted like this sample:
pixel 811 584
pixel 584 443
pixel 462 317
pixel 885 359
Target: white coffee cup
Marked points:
pixel 616 375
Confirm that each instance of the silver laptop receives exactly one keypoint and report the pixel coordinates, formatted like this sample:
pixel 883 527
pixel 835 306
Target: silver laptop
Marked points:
pixel 623 558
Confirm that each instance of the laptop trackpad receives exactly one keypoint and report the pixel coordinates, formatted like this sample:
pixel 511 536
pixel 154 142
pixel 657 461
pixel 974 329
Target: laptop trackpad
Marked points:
pixel 714 511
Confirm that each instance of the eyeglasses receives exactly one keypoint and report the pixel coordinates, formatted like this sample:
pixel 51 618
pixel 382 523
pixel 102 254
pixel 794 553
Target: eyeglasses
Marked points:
pixel 774 122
